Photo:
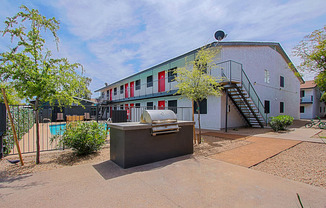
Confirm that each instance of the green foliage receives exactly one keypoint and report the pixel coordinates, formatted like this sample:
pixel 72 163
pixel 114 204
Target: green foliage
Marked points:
pixel 31 70
pixel 11 94
pixel 280 122
pixel 29 67
pixel 83 137
pixel 194 81
pixel 312 51
pixel 23 120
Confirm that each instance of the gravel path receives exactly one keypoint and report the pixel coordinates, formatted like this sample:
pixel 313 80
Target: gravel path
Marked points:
pixel 305 162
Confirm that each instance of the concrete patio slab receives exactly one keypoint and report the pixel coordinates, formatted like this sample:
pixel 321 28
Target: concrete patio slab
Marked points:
pixel 260 149
pixel 180 182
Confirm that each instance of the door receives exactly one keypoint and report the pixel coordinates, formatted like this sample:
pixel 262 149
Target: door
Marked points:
pixel 132 89
pixel 110 94
pixel 161 81
pixel 161 105
pixel 126 90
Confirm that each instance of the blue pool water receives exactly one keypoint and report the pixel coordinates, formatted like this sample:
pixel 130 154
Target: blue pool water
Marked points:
pixel 58 129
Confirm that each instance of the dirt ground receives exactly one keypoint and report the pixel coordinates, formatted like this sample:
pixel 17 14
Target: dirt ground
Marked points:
pixel 59 159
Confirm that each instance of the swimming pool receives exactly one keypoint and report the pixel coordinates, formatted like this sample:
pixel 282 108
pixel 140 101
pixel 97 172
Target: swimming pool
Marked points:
pixel 59 129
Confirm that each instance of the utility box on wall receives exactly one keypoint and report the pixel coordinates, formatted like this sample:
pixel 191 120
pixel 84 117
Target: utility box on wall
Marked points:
pixel 3 125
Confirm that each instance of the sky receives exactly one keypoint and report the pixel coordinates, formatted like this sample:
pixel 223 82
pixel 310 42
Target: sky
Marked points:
pixel 113 39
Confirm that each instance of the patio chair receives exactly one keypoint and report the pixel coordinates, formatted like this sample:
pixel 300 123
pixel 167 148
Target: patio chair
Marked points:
pixel 60 117
pixel 87 116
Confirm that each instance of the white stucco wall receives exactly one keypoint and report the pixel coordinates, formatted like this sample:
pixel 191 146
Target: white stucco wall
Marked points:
pixel 315 109
pixel 255 59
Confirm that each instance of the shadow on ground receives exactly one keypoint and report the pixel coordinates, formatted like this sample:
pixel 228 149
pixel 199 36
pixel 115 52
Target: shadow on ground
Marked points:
pixel 109 170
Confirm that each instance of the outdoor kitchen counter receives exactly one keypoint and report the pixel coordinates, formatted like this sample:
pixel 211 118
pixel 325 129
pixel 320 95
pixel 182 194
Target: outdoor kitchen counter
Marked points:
pixel 133 143
pixel 137 125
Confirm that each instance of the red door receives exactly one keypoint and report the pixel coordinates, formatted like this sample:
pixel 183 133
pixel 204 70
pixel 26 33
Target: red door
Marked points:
pixel 110 94
pixel 132 89
pixel 161 105
pixel 161 81
pixel 126 90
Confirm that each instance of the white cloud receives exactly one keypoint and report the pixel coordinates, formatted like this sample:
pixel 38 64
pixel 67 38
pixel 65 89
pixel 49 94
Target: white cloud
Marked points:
pixel 96 19
pixel 108 36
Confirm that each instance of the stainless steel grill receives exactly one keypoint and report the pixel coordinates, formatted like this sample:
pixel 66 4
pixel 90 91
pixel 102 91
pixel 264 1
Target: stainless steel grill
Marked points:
pixel 162 121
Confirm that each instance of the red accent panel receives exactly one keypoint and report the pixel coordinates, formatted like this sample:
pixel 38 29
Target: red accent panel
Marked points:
pixel 110 94
pixel 161 105
pixel 132 89
pixel 161 81
pixel 126 90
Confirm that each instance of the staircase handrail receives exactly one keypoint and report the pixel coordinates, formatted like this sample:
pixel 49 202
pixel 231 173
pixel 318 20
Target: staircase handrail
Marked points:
pixel 261 110
pixel 264 115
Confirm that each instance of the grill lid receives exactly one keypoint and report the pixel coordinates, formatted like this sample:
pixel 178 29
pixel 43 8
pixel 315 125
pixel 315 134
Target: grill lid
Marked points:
pixel 162 121
pixel 158 117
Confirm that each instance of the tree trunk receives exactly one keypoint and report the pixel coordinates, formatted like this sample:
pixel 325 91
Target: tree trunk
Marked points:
pixel 199 139
pixel 37 132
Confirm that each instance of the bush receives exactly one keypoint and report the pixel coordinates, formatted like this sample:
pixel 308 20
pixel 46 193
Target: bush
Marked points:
pixel 83 137
pixel 280 122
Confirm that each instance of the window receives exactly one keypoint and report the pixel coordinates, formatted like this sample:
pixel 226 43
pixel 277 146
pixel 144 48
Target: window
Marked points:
pixel 202 107
pixel 302 93
pixel 320 110
pixel 172 75
pixel 172 105
pixel 149 106
pixel 267 106
pixel 137 105
pixel 121 89
pixel 281 81
pixel 108 93
pixel 281 107
pixel 121 107
pixel 115 91
pixel 138 84
pixel 266 76
pixel 301 109
pixel 150 81
pixel 312 98
pixel 102 94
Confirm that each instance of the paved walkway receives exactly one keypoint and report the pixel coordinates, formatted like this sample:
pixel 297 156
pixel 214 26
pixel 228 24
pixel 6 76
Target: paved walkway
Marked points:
pixel 259 150
pixel 180 182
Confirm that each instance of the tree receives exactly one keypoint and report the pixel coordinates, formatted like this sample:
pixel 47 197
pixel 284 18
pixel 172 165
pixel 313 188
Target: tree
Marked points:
pixel 312 51
pixel 31 70
pixel 11 94
pixel 194 81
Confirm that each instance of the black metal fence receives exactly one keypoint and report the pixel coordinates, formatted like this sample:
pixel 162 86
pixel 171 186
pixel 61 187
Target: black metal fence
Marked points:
pixel 53 121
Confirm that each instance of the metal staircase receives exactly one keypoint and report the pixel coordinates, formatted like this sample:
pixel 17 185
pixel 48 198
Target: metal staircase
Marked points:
pixel 240 91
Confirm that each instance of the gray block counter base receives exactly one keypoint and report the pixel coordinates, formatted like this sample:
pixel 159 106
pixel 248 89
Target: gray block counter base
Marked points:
pixel 131 143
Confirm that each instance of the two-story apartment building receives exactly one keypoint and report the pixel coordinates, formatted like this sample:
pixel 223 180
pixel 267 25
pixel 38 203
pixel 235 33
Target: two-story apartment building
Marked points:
pixel 257 84
pixel 310 104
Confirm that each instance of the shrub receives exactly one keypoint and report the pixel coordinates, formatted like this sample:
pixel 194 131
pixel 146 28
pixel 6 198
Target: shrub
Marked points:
pixel 83 137
pixel 280 122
